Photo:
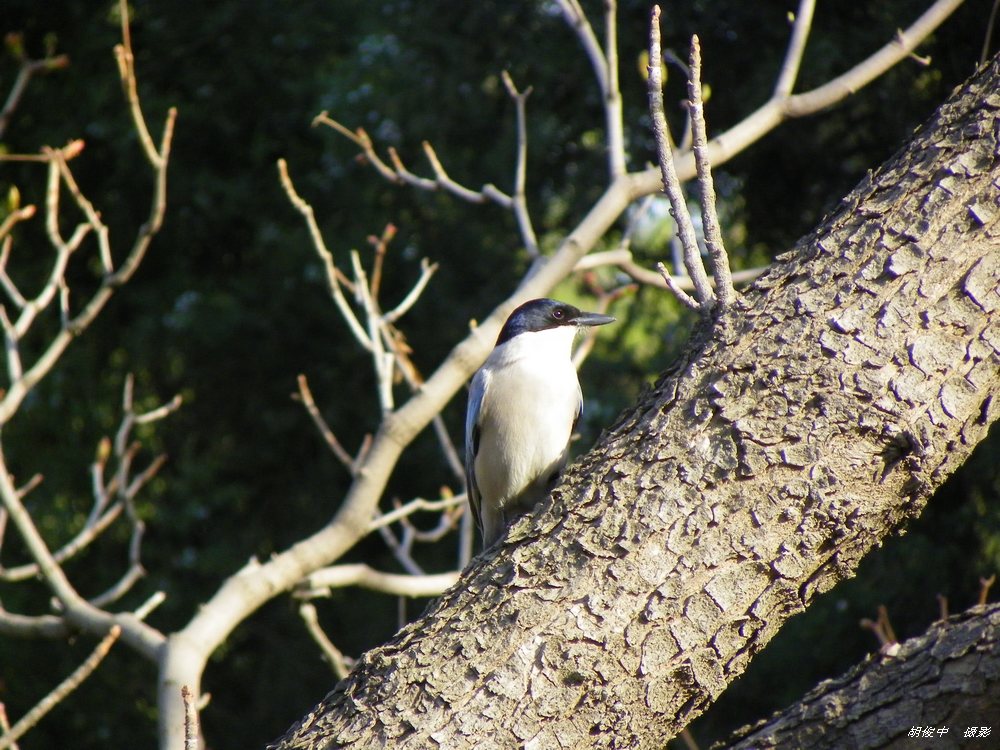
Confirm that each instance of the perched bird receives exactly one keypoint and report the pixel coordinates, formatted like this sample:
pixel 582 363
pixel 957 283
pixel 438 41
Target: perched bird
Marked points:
pixel 523 405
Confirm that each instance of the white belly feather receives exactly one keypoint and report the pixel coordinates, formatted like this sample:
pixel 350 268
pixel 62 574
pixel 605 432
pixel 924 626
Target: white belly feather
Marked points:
pixel 530 402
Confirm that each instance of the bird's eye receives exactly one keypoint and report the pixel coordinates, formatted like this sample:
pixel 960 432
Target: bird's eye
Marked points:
pixel 558 314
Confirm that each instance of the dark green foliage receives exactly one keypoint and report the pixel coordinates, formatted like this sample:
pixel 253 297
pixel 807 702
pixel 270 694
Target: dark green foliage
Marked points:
pixel 230 306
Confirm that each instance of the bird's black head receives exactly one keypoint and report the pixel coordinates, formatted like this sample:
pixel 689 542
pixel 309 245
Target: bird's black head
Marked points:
pixel 543 314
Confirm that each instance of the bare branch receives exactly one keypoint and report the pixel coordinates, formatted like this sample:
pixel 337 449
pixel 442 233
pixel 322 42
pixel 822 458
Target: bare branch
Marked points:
pixel 5 725
pixel 14 371
pixel 606 258
pixel 306 397
pixel 942 601
pixel 604 63
pixel 83 538
pixel 401 548
pixel 28 70
pixel 62 690
pixel 984 588
pixel 361 139
pixel 686 299
pixel 444 181
pixel 94 222
pixel 651 278
pixel 333 655
pixel 900 48
pixel 988 38
pixel 149 605
pixel 398 173
pixel 577 20
pixel 25 626
pixel 192 728
pixel 724 290
pixel 341 576
pixel 613 116
pixel 160 412
pixel 427 270
pixel 796 48
pixel 9 222
pixel 413 506
pixel 132 574
pixel 671 184
pixel 381 359
pixel 104 513
pixel 126 71
pixel 778 109
pixel 72 327
pixel 334 277
pixel 519 204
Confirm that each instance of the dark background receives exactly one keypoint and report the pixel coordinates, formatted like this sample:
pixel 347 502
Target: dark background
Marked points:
pixel 231 305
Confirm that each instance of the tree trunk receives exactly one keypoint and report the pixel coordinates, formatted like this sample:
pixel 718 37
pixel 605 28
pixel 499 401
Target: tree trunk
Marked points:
pixel 829 404
pixel 931 693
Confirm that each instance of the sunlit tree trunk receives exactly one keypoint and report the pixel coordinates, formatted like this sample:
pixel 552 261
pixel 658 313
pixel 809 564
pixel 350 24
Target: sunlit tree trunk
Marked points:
pixel 938 689
pixel 812 420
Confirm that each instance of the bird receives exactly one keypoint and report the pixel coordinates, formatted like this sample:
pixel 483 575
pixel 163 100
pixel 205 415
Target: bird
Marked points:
pixel 524 403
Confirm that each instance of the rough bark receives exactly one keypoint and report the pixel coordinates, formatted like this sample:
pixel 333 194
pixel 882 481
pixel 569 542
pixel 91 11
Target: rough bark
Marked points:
pixel 930 694
pixel 825 409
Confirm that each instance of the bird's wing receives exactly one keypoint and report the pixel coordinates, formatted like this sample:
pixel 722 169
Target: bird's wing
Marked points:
pixel 477 390
pixel 579 410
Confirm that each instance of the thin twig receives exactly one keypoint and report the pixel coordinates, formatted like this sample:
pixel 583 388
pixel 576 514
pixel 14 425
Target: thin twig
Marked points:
pixel 306 397
pixel 724 290
pixel 668 173
pixel 93 216
pixel 413 506
pixel 427 269
pixel 984 588
pixel 686 299
pixel 443 180
pixel 401 549
pixel 321 581
pixel 334 276
pixel 519 204
pixel 72 327
pixel 796 48
pixel 397 173
pixel 613 116
pixel 62 690
pixel 192 730
pixel 883 619
pixel 382 361
pixel 942 607
pixel 14 369
pixel 28 70
pixel 577 20
pixel 653 278
pixel 988 38
pixel 361 139
pixel 5 725
pixel 333 655
pixel 126 71
pixel 381 245
pixel 83 538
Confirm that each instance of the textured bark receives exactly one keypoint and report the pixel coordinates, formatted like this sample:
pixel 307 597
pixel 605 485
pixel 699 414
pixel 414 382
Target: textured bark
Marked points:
pixel 825 409
pixel 947 678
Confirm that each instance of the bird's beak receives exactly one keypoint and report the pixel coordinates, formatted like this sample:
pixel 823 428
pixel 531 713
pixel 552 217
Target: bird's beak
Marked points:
pixel 593 319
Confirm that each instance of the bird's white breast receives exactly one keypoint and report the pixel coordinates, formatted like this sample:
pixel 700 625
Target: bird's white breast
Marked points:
pixel 531 399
